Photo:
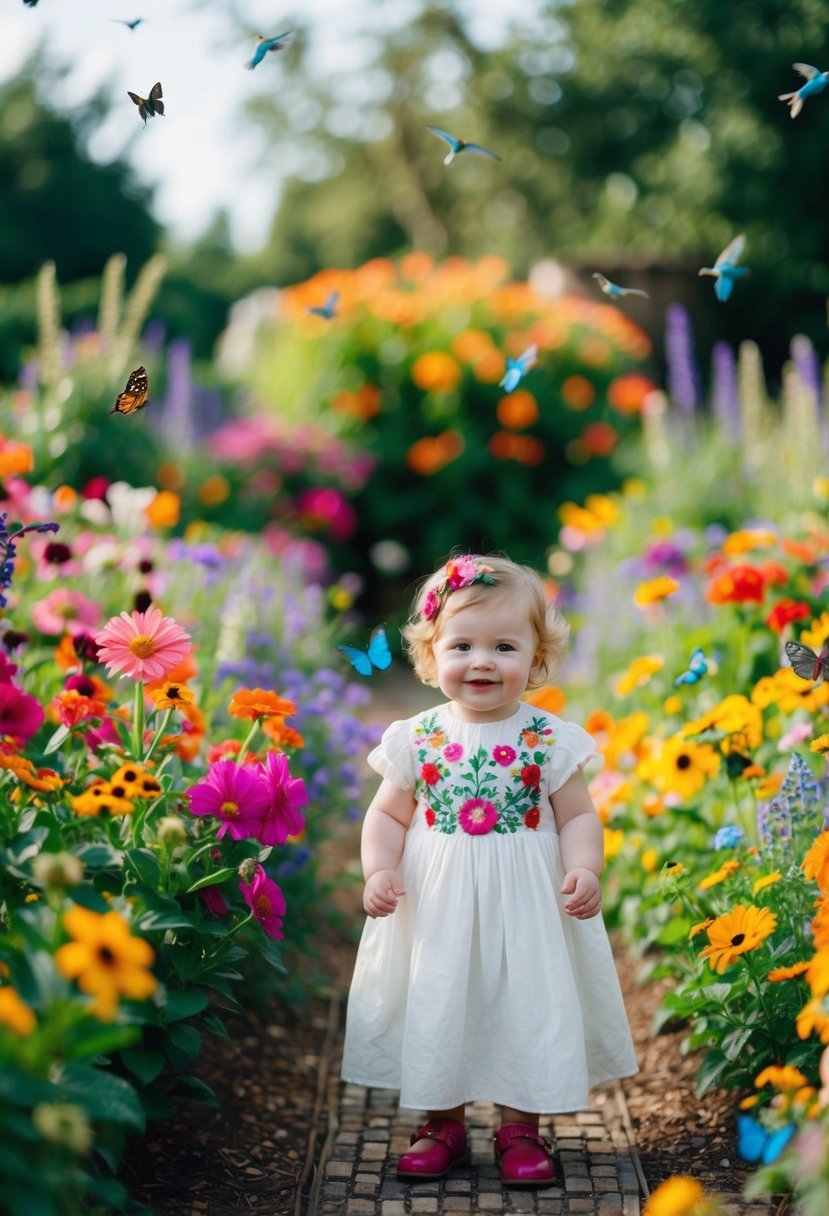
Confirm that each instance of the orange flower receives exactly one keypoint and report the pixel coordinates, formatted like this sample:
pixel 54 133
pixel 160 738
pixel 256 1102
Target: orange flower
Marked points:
pixel 255 703
pixel 213 491
pixel 489 368
pixel 737 585
pixel 525 449
pixel 735 933
pixel 599 439
pixel 791 972
pixel 549 698
pixel 577 392
pixel 282 735
pixel 817 974
pixel 627 393
pixel 164 511
pixel 436 372
pixel 430 454
pixel 416 266
pixel 471 345
pixel 15 457
pixel 64 499
pixel 517 410
pixel 654 590
pixel 816 862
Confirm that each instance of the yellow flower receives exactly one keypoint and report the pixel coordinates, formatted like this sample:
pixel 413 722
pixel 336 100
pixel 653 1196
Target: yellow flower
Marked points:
pixel 700 926
pixel 813 1019
pixel 677 1196
pixel 672 705
pixel 105 959
pixel 614 838
pixel 681 767
pixel 164 511
pixel 15 1013
pixel 639 673
pixel 650 860
pixel 736 717
pixel 720 875
pixel 766 881
pixel 820 487
pixel 746 539
pixel 626 735
pixel 172 695
pixel 821 744
pixel 791 972
pixel 818 633
pixel 736 932
pixel 788 692
pixel 780 1076
pixel 816 862
pixel 817 974
pixel 654 590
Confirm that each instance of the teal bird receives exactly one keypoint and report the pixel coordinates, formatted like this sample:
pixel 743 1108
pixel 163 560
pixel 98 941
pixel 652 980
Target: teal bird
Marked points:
pixel 328 310
pixel 456 146
pixel 615 291
pixel 131 25
pixel 725 270
pixel 816 82
pixel 263 45
pixel 518 368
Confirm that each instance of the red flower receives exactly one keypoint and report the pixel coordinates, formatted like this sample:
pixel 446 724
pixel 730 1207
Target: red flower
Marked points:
pixel 737 585
pixel 785 612
pixel 532 817
pixel 430 816
pixel 430 773
pixel 531 775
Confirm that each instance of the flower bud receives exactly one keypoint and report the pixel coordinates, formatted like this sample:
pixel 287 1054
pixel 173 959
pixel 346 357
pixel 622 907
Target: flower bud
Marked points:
pixel 172 831
pixel 58 869
pixel 247 870
pixel 64 1123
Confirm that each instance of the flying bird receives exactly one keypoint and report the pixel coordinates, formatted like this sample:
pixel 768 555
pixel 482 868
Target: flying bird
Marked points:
pixel 131 25
pixel 456 146
pixel 148 107
pixel 263 45
pixel 518 368
pixel 328 309
pixel 30 3
pixel 615 291
pixel 135 395
pixel 725 270
pixel 816 82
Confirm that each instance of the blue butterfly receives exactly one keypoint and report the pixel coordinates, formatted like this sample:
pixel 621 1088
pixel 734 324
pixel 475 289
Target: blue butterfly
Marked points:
pixel 518 368
pixel 697 668
pixel 376 654
pixel 755 1143
pixel 329 308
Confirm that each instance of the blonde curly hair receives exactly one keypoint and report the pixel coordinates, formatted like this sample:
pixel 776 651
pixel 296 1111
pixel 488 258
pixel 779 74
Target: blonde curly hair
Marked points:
pixel 508 578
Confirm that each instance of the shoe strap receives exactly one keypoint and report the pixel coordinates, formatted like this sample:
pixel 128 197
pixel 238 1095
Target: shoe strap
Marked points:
pixel 510 1132
pixel 449 1131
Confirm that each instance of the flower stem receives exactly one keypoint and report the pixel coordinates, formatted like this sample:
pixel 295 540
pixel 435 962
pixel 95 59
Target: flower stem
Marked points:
pixel 240 759
pixel 163 726
pixel 138 723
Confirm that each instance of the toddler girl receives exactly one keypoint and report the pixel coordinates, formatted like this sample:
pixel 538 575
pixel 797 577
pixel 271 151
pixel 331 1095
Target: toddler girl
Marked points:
pixel 484 971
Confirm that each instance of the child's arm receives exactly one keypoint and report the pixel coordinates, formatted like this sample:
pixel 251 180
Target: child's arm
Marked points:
pixel 384 831
pixel 582 847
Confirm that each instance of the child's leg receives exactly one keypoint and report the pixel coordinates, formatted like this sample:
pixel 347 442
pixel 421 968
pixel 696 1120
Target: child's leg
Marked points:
pixel 510 1115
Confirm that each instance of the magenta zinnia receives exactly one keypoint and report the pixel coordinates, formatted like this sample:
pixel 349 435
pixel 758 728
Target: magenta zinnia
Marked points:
pixel 266 902
pixel 283 817
pixel 233 794
pixel 20 713
pixel 477 816
pixel 142 645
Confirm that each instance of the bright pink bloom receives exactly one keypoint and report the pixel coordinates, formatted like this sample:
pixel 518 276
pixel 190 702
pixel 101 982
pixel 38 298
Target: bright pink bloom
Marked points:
pixel 142 645
pixel 214 901
pixel 503 755
pixel 20 713
pixel 102 734
pixel 7 669
pixel 64 611
pixel 477 816
pixel 266 902
pixel 283 817
pixel 236 795
pixel 453 752
pixel 431 605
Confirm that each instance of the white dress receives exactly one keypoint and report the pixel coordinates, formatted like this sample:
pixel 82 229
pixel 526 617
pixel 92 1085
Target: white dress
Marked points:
pixel 479 986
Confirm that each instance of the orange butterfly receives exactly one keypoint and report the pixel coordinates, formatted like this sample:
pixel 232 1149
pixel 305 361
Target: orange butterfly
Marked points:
pixel 134 396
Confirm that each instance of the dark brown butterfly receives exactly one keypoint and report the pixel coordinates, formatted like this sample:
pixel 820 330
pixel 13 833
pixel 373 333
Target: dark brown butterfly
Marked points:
pixel 148 107
pixel 806 664
pixel 134 396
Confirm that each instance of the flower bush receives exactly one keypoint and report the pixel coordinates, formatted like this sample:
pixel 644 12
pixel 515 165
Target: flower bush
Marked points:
pixel 714 794
pixel 173 748
pixel 409 368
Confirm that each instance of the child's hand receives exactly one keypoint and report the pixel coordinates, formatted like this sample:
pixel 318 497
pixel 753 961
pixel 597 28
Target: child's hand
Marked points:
pixel 585 893
pixel 382 892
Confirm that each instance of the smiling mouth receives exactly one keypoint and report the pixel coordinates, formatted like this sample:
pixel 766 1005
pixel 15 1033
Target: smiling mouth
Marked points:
pixel 482 683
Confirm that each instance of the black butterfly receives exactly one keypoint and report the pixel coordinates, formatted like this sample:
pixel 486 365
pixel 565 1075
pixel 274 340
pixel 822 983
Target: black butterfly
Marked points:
pixel 135 395
pixel 148 107
pixel 806 664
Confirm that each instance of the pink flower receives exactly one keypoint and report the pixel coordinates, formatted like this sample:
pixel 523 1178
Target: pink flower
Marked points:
pixel 453 752
pixel 266 902
pixel 20 713
pixel 431 605
pixel 101 735
pixel 64 611
pixel 214 901
pixel 503 755
pixel 7 669
pixel 236 795
pixel 287 794
pixel 142 645
pixel 430 773
pixel 477 816
pixel 462 572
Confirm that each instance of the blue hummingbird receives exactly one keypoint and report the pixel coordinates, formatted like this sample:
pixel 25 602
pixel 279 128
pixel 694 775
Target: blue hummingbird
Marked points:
pixel 328 310
pixel 518 368
pixel 131 25
pixel 816 82
pixel 615 291
pixel 725 270
pixel 456 146
pixel 263 45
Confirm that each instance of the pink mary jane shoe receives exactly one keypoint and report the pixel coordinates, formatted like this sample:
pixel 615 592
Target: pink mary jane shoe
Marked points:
pixel 525 1157
pixel 436 1147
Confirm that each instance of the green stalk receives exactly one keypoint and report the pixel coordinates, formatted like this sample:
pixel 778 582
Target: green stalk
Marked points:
pixel 164 723
pixel 138 723
pixel 246 745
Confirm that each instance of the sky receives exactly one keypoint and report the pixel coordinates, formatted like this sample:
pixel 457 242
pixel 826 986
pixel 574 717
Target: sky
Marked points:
pixel 201 156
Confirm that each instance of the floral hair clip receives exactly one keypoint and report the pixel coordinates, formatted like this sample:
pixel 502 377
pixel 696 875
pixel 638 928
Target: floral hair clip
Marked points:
pixel 460 572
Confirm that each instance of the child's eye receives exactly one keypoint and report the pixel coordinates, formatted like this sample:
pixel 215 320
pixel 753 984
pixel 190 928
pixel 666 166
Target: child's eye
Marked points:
pixel 461 645
pixel 503 647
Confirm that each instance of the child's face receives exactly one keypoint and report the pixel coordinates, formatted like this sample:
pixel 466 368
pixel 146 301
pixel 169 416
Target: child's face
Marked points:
pixel 485 655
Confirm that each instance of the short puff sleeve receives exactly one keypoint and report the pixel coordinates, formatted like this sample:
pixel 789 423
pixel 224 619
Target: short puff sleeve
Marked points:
pixel 572 750
pixel 392 758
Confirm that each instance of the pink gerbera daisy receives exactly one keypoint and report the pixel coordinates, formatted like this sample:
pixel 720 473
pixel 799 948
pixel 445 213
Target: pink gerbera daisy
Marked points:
pixel 236 795
pixel 283 817
pixel 142 645
pixel 477 816
pixel 266 902
pixel 65 611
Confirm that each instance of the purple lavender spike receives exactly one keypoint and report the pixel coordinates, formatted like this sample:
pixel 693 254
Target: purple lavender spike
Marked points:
pixel 807 364
pixel 683 375
pixel 724 393
pixel 178 417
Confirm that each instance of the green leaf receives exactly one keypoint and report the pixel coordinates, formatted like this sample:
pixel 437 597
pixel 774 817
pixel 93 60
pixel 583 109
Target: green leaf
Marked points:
pixel 96 1040
pixel 214 1025
pixel 718 994
pixel 102 1095
pixel 145 864
pixel 164 920
pixel 734 1042
pixel 184 1003
pixel 56 740
pixel 146 1065
pixel 210 880
pixel 185 1038
pixel 710 1071
pixel 195 1088
pixel 675 931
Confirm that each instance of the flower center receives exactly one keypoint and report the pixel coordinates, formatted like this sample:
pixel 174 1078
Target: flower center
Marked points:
pixel 262 906
pixel 105 956
pixel 478 814
pixel 683 761
pixel 173 692
pixel 738 939
pixel 229 810
pixel 142 646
